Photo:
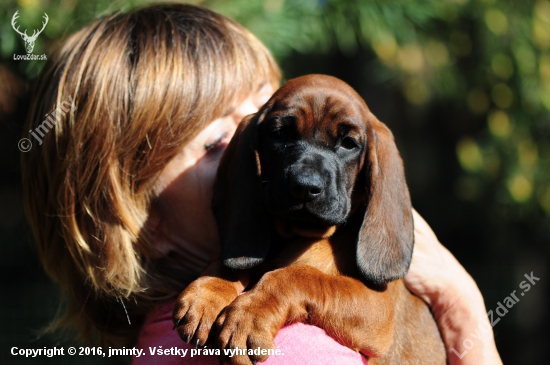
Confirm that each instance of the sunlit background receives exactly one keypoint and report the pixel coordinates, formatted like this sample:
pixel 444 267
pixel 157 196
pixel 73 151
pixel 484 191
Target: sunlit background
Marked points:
pixel 463 84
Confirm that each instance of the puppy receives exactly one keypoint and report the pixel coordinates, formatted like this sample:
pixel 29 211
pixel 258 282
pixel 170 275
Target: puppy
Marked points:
pixel 314 217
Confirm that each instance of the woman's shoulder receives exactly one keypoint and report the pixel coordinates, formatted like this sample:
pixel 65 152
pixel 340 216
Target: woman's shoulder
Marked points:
pixel 298 343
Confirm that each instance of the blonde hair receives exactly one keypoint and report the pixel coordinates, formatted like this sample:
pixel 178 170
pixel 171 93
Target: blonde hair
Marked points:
pixel 142 85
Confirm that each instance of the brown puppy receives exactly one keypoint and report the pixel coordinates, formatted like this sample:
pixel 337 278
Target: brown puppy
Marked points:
pixel 314 214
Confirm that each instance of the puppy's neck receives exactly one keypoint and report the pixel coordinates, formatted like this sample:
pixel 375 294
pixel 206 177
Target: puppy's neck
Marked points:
pixel 289 229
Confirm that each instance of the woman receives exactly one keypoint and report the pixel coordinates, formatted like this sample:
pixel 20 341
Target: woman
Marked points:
pixel 118 193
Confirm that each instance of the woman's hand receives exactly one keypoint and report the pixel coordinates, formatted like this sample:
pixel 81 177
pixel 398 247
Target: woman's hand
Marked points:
pixel 438 278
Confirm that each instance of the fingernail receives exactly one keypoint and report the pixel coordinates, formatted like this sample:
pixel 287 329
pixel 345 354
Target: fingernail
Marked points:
pixel 186 338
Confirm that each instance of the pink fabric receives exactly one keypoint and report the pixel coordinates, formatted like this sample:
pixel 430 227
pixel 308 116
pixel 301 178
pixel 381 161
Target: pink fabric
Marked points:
pixel 300 344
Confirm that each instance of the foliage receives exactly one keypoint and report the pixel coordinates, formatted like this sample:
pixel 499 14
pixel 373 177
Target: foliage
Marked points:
pixel 490 56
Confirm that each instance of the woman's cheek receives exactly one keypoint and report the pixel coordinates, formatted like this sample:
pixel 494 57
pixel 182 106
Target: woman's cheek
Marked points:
pixel 210 169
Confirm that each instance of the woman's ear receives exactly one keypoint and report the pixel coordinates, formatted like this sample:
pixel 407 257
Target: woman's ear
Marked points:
pixel 242 223
pixel 386 238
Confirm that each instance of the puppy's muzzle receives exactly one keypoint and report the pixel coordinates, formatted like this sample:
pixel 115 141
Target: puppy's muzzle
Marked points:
pixel 306 186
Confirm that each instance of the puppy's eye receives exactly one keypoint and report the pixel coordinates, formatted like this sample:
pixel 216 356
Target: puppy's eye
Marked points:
pixel 349 143
pixel 281 132
pixel 282 128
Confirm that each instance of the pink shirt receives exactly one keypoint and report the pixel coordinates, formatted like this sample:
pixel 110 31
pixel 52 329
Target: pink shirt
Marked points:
pixel 297 344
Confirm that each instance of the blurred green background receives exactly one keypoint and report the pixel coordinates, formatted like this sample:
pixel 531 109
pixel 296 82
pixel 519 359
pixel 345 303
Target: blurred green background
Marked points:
pixel 463 84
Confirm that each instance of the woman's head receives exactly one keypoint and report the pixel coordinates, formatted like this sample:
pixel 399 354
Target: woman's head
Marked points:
pixel 181 217
pixel 142 86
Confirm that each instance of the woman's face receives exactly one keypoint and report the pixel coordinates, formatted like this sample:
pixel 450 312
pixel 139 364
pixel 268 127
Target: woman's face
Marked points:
pixel 185 185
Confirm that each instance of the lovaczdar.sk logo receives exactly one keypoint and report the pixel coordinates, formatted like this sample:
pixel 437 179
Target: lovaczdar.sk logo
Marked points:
pixel 29 40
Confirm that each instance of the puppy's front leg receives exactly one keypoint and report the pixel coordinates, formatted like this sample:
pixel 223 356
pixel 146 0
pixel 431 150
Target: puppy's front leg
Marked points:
pixel 198 306
pixel 355 315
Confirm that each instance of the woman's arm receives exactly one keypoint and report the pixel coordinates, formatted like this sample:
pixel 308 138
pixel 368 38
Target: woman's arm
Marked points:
pixel 439 279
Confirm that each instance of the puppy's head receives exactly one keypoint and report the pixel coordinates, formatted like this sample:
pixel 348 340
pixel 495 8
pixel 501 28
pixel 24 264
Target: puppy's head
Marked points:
pixel 311 155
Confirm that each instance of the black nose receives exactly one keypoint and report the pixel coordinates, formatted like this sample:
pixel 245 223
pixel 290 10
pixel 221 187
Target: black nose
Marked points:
pixel 306 186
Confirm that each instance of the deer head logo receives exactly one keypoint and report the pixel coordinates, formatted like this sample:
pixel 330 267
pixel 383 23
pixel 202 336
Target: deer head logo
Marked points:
pixel 29 41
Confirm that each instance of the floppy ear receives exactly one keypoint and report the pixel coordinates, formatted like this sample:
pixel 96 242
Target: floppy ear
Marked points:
pixel 385 244
pixel 242 223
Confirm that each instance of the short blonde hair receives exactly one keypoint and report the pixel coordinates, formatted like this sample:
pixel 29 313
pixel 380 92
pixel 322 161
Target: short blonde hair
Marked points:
pixel 142 85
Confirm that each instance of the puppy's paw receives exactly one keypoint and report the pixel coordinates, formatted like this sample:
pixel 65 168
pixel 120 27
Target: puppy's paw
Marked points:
pixel 246 324
pixel 198 306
